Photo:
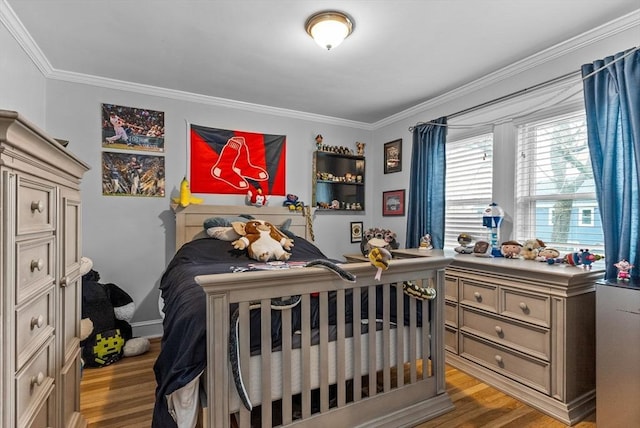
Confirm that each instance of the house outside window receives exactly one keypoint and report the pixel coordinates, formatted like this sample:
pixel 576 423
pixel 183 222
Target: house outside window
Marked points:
pixel 468 187
pixel 555 191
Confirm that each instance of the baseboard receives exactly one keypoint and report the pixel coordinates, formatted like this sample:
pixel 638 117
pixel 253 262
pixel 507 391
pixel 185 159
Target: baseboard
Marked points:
pixel 150 328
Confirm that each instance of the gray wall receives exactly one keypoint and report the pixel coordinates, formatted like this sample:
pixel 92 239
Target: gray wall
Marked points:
pixel 131 239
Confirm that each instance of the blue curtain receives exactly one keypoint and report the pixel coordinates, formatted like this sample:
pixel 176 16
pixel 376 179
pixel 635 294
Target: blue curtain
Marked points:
pixel 426 206
pixel 612 102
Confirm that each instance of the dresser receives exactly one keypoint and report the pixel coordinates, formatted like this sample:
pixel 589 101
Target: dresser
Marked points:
pixel 40 281
pixel 526 328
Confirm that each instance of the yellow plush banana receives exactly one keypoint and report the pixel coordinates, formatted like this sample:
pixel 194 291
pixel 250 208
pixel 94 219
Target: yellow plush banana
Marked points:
pixel 186 197
pixel 379 258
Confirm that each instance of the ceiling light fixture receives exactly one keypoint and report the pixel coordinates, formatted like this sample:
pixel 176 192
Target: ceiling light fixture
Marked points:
pixel 329 28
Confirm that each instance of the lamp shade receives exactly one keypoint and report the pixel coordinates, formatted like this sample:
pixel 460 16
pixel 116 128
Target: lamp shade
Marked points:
pixel 329 29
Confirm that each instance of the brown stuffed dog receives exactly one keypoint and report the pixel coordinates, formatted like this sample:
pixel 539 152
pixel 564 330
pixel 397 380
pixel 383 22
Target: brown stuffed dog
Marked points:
pixel 262 240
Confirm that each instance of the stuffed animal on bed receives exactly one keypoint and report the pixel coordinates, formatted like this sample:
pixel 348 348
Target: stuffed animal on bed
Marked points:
pixel 262 240
pixel 106 335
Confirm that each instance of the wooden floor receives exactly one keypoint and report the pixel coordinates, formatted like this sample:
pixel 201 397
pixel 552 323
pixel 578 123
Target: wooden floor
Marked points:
pixel 122 395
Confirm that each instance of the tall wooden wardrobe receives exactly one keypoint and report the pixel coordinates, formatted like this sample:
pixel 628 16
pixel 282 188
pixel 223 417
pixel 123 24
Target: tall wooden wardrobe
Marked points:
pixel 40 281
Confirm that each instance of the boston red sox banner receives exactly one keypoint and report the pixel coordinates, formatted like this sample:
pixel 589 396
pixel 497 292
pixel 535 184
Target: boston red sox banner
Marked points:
pixel 224 161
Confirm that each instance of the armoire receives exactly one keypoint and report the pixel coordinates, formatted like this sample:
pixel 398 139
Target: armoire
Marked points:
pixel 40 281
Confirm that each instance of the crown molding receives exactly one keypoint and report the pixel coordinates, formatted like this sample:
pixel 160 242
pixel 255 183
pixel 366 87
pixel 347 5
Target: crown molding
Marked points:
pixel 102 82
pixel 602 32
pixel 10 20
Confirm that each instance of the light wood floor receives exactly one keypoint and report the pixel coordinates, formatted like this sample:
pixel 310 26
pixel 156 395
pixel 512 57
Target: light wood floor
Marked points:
pixel 122 395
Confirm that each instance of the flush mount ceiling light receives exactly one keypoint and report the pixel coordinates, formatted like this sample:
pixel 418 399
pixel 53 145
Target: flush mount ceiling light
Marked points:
pixel 329 28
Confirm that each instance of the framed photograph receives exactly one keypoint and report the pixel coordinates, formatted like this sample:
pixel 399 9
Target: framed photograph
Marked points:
pixel 393 202
pixel 393 156
pixel 356 231
pixel 132 128
pixel 132 174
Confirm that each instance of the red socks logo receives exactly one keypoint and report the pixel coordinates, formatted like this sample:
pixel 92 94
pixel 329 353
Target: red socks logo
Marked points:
pixel 236 154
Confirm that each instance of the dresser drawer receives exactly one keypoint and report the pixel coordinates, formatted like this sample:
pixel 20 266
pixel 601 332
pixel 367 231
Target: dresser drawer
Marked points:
pixel 44 417
pixel 34 266
pixel 451 313
pixel 451 287
pixel 36 206
pixel 526 306
pixel 527 339
pixel 479 295
pixel 529 371
pixel 34 383
pixel 34 324
pixel 451 339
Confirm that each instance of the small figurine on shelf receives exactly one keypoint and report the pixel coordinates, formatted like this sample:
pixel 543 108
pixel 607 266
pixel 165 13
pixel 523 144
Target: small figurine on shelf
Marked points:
pixel 464 239
pixel 425 242
pixel 624 270
pixel 319 142
pixel 360 148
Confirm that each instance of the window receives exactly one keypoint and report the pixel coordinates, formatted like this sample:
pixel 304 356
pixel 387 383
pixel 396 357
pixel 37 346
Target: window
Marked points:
pixel 468 187
pixel 555 192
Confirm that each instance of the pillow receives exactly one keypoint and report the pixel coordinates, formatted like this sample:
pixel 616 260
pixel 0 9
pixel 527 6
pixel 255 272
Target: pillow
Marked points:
pixel 223 233
pixel 225 221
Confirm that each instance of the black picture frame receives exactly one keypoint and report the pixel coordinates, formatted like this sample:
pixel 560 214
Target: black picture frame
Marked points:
pixel 393 203
pixel 356 231
pixel 393 156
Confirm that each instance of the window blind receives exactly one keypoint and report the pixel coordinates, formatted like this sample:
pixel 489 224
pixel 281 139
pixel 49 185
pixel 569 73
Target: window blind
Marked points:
pixel 468 189
pixel 555 191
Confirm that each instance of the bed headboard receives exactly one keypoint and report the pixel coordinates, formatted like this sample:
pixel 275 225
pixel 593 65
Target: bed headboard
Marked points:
pixel 189 220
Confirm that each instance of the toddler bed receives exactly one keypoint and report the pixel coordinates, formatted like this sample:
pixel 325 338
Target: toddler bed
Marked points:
pixel 315 363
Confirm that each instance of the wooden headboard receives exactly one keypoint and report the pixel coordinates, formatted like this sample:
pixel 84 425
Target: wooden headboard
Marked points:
pixel 190 220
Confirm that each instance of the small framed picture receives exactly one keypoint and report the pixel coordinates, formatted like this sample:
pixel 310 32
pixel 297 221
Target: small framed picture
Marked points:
pixel 393 156
pixel 356 231
pixel 393 203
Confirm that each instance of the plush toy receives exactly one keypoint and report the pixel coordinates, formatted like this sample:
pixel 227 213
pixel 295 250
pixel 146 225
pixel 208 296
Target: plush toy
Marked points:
pixel 262 240
pixel 548 253
pixel 379 258
pixel 376 237
pixel 186 198
pixel 531 248
pixel 624 270
pixel 106 335
pixel 582 258
pixel 257 199
pixel 511 249
pixel 293 203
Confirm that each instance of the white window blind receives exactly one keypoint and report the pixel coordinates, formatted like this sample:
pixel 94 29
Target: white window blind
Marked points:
pixel 555 192
pixel 468 189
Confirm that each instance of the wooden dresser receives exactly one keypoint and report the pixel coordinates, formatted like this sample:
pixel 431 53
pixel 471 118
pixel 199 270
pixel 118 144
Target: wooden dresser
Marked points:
pixel 527 328
pixel 40 282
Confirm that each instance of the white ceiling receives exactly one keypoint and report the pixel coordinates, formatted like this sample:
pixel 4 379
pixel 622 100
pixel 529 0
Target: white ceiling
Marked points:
pixel 401 53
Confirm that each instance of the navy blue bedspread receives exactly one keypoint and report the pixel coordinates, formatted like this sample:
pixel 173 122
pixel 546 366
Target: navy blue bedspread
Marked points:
pixel 183 353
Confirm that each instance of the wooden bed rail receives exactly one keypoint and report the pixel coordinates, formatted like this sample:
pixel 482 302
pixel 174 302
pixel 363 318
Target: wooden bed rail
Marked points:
pixel 390 397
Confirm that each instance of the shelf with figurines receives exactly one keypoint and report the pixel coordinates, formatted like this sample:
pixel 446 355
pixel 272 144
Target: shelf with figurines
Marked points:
pixel 338 177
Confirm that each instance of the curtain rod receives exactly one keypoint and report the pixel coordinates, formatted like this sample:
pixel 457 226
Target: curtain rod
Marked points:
pixel 508 96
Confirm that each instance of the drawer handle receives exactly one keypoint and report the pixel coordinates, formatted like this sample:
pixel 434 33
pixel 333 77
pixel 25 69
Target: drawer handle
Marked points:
pixel 63 281
pixel 498 359
pixel 499 330
pixel 37 206
pixel 478 296
pixel 37 322
pixel 37 380
pixel 524 306
pixel 37 264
